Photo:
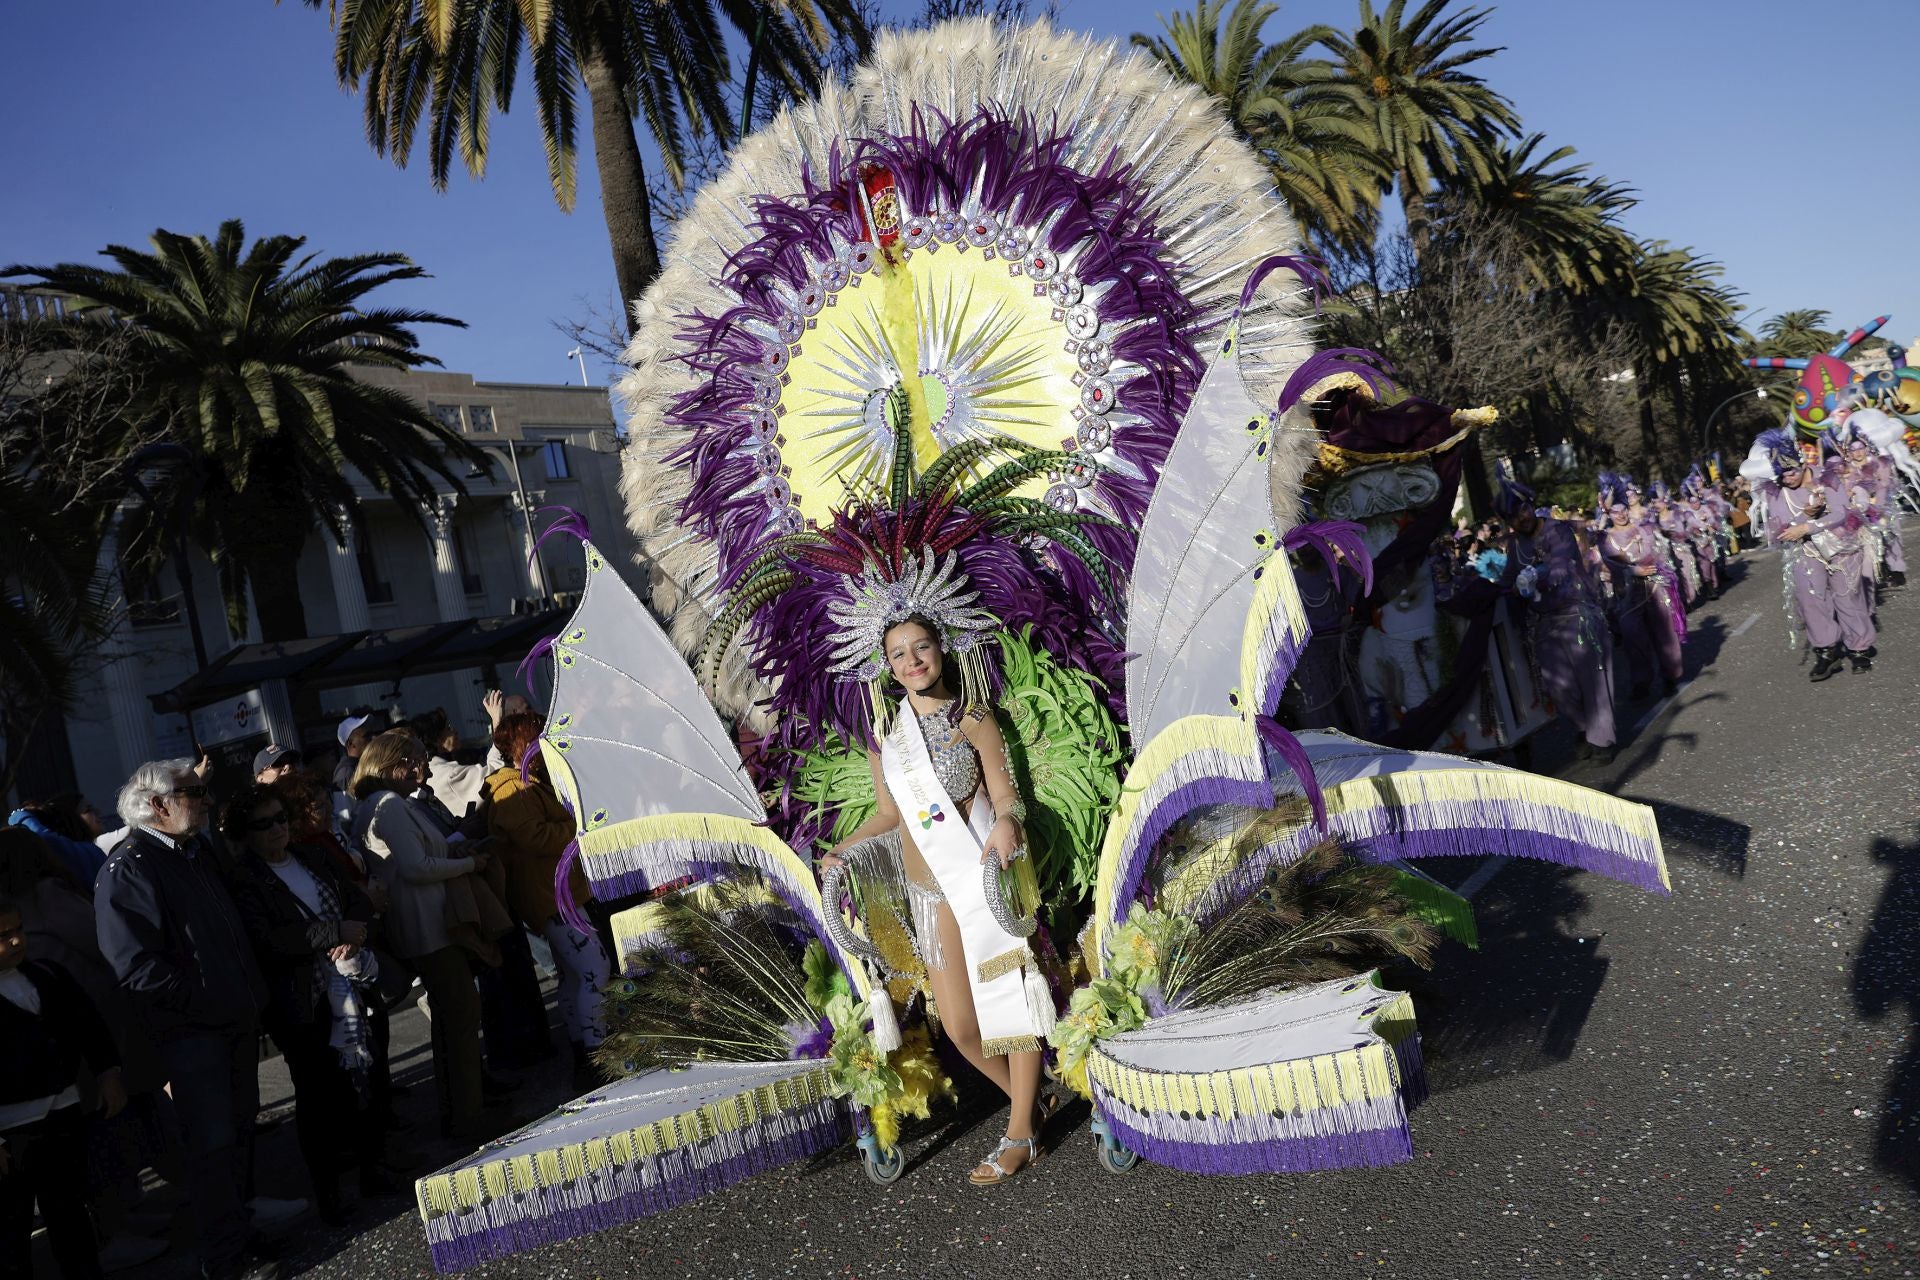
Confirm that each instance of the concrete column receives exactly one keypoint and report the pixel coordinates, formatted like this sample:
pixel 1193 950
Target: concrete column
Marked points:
pixel 120 670
pixel 343 566
pixel 448 591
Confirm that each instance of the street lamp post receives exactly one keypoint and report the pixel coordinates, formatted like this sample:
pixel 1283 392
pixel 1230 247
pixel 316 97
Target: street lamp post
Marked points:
pixel 1759 393
pixel 526 516
pixel 582 360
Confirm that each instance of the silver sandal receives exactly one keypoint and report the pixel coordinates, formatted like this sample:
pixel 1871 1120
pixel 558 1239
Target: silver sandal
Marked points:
pixel 1000 1173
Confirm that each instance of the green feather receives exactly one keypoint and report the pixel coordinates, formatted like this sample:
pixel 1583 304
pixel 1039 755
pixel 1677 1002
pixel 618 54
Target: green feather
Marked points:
pixel 1008 476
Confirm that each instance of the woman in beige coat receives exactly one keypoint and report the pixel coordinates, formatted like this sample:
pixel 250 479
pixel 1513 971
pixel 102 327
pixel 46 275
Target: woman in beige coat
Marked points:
pixel 442 918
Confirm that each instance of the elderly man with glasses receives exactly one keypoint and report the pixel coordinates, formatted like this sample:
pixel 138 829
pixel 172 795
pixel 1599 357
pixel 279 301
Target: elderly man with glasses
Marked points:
pixel 168 927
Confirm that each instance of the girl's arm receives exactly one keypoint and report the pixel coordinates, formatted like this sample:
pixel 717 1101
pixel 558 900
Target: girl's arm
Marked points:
pixel 886 816
pixel 1009 831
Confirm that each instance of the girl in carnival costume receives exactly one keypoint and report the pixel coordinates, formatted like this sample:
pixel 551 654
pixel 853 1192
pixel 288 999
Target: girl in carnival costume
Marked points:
pixel 948 805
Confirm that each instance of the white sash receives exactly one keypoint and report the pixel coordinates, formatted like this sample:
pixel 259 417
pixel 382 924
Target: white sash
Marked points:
pixel 993 958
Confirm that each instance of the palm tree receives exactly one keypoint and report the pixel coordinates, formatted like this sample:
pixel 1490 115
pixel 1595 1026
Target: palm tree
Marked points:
pixel 452 63
pixel 1409 79
pixel 1797 333
pixel 245 355
pixel 1324 157
pixel 1684 325
pixel 1565 221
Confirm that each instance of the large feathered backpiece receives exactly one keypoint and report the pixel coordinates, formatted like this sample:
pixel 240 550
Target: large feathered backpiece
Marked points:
pixel 1028 234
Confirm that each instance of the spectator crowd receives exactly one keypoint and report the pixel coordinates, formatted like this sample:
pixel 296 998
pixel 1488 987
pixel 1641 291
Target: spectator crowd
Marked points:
pixel 141 966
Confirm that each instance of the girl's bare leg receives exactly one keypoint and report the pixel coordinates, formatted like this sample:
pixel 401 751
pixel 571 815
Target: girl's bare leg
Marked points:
pixel 954 996
pixel 1016 1074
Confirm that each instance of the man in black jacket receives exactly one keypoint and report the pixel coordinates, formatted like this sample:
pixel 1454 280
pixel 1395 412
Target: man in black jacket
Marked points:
pixel 169 929
pixel 48 1028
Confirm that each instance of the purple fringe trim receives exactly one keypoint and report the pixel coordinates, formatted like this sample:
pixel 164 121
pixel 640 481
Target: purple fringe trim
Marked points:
pixel 1365 1148
pixel 1165 815
pixel 1494 835
pixel 679 1177
pixel 526 759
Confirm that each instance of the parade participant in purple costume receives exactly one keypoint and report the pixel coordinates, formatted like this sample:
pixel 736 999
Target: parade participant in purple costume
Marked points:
pixel 1675 534
pixel 1704 535
pixel 1821 561
pixel 1868 480
pixel 1567 622
pixel 1646 595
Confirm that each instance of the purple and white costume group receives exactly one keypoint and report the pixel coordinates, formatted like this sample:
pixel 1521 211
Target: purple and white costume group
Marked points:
pixel 1839 535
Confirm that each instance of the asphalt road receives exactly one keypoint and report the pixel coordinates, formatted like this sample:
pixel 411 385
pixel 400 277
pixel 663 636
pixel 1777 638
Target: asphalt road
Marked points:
pixel 1624 1085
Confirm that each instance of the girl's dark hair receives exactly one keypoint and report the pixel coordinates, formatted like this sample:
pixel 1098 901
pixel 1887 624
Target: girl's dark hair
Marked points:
pixel 239 811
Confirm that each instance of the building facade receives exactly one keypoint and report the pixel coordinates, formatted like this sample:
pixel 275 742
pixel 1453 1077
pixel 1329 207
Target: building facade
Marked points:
pixel 472 556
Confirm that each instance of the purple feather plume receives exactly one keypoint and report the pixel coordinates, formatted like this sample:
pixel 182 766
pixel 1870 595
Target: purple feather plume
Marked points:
pixel 1347 537
pixel 1283 744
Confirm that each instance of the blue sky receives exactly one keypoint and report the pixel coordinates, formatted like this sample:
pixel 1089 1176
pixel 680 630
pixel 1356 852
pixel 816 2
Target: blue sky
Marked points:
pixel 1763 133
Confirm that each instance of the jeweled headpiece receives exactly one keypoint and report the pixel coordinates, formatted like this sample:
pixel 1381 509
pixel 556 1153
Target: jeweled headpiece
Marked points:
pixel 929 587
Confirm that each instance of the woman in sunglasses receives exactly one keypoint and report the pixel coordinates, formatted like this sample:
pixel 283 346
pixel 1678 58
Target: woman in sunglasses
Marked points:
pixel 308 925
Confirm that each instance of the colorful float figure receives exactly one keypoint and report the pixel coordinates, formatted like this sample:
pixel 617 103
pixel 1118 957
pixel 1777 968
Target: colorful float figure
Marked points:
pixel 1011 339
pixel 1824 380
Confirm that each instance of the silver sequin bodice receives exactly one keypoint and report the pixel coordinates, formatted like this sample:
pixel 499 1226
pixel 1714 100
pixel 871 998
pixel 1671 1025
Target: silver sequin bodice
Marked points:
pixel 955 762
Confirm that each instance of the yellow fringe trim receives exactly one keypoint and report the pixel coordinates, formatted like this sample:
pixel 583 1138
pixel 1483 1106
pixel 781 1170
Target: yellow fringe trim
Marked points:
pixel 632 927
pixel 1009 1044
pixel 1306 1084
pixel 721 838
pixel 1168 749
pixel 1275 615
pixel 1436 787
pixel 1275 608
pixel 1004 963
pixel 471 1187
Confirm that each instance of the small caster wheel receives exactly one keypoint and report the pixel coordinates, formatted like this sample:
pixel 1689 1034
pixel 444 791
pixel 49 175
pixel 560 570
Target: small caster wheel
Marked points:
pixel 1115 1158
pixel 883 1168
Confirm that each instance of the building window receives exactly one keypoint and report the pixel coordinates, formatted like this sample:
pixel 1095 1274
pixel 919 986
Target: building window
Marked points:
pixel 555 453
pixel 147 604
pixel 480 418
pixel 378 591
pixel 466 557
pixel 447 415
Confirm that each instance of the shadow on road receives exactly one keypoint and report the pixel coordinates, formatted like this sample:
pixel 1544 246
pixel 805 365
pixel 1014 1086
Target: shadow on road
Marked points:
pixel 1698 836
pixel 1519 1003
pixel 1886 984
pixel 1705 638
